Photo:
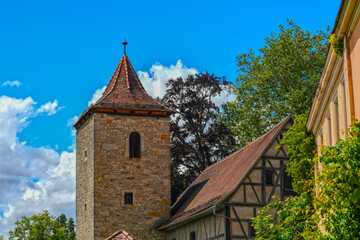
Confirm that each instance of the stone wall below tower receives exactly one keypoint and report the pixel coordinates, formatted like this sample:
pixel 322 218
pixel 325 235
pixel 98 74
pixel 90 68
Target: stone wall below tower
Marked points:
pixel 85 181
pixel 148 177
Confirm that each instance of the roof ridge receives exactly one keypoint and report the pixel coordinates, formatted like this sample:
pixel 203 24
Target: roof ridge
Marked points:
pixel 240 150
pixel 279 125
pixel 116 76
pixel 248 145
pixel 225 159
pixel 125 90
pixel 126 72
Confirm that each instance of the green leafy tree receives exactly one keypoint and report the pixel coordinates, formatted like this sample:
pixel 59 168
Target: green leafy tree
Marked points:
pixel 339 200
pixel 294 218
pixel 277 80
pixel 198 138
pixel 301 146
pixel 336 207
pixel 44 226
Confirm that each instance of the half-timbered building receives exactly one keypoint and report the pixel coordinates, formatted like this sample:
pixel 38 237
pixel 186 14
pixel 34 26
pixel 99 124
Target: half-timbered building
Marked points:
pixel 220 203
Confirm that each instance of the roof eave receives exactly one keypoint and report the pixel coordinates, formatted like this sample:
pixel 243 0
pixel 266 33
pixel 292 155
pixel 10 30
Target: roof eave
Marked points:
pixel 190 218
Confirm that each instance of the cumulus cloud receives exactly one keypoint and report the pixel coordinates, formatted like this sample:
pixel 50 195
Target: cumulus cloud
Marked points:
pixel 32 179
pixel 70 123
pixel 96 96
pixel 9 83
pixel 155 79
pixel 50 108
pixel 226 96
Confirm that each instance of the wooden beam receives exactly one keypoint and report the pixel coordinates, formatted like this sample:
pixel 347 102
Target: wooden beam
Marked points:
pixel 276 157
pixel 263 187
pixel 252 186
pixel 237 217
pixel 242 204
pixel 274 188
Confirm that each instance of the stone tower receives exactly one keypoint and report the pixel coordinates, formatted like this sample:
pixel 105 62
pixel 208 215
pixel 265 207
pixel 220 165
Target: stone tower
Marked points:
pixel 122 161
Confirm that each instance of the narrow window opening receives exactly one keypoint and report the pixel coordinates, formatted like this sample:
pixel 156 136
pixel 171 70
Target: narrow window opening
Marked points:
pixel 252 232
pixel 128 198
pixel 336 121
pixel 192 236
pixel 288 190
pixel 85 153
pixel 269 177
pixel 85 207
pixel 135 145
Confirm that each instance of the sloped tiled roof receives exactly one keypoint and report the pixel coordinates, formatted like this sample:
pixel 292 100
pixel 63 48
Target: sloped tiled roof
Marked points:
pixel 124 94
pixel 126 91
pixel 219 180
pixel 120 235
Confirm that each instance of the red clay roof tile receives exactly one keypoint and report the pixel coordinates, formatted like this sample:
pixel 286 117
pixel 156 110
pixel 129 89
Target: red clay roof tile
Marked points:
pixel 220 179
pixel 120 235
pixel 126 91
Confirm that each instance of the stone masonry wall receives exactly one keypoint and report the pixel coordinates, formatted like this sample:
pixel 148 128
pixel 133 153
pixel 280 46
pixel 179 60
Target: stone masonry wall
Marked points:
pixel 148 177
pixel 85 181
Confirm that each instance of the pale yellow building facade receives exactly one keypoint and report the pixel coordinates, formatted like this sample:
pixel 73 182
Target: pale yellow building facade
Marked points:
pixel 337 101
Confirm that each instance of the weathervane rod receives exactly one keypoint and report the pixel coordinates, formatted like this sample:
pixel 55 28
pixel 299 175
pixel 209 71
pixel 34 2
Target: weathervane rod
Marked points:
pixel 125 43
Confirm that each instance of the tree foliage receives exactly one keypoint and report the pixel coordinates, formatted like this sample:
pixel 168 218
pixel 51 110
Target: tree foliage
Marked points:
pixel 339 200
pixel 198 138
pixel 44 226
pixel 336 207
pixel 295 217
pixel 301 146
pixel 277 80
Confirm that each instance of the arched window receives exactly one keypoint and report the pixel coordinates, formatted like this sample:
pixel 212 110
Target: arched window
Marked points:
pixel 135 145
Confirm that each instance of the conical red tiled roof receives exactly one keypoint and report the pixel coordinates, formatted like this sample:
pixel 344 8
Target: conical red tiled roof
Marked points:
pixel 126 91
pixel 125 94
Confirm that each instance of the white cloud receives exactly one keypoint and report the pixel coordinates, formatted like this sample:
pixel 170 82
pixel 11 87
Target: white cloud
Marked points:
pixel 225 96
pixel 70 123
pixel 96 96
pixel 154 81
pixel 32 179
pixel 50 108
pixel 9 83
pixel 156 78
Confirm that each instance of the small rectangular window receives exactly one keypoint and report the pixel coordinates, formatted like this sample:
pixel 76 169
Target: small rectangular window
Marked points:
pixel 85 153
pixel 128 198
pixel 269 177
pixel 192 236
pixel 85 207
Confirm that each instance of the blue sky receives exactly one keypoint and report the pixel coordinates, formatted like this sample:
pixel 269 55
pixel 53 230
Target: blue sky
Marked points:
pixel 61 52
pixel 65 50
